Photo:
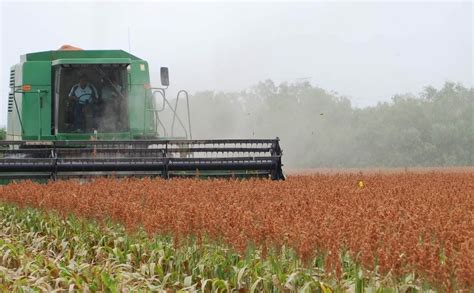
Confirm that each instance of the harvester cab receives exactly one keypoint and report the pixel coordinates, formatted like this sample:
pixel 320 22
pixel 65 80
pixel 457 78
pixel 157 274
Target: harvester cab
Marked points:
pixel 86 113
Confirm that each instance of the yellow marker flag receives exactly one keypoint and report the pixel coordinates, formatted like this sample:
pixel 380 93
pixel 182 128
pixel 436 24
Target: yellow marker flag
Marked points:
pixel 361 184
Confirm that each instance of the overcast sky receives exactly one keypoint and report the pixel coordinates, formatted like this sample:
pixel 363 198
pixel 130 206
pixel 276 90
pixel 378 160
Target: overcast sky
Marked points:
pixel 367 51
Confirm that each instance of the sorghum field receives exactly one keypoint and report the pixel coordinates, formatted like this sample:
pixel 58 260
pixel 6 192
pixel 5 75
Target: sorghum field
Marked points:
pixel 317 232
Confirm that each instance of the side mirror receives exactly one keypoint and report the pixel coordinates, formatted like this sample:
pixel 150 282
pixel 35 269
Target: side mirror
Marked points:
pixel 165 79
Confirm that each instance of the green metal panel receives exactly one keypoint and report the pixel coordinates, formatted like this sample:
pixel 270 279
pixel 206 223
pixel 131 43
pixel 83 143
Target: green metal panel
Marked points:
pixel 53 55
pixel 139 72
pixel 37 73
pixel 36 111
pixel 139 95
pixel 92 61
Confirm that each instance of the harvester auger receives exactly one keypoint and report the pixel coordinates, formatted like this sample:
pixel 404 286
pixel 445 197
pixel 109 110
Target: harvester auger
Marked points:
pixel 119 131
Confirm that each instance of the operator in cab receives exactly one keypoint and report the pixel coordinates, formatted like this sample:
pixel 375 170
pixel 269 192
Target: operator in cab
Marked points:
pixel 82 94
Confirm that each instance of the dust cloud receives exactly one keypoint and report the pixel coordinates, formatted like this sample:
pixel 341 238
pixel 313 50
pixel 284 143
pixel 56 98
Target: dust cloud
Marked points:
pixel 320 129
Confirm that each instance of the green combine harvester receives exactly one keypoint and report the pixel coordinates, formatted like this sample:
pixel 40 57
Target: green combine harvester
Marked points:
pixel 88 113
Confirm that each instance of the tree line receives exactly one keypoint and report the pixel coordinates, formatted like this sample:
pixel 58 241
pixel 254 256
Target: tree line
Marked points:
pixel 320 129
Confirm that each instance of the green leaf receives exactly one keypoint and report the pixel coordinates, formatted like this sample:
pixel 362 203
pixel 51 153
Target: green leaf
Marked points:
pixel 188 281
pixel 218 284
pixel 255 284
pixel 324 288
pixel 109 282
pixel 240 275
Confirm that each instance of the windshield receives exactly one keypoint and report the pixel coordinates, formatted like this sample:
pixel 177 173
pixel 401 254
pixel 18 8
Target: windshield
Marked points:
pixel 91 97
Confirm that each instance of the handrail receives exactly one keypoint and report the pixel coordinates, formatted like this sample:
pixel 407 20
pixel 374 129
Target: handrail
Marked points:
pixel 189 114
pixel 162 92
pixel 18 113
pixel 179 120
